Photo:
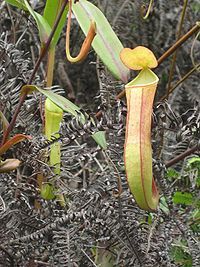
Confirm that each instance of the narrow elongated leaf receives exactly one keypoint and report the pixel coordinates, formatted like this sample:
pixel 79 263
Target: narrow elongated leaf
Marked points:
pixel 60 101
pixel 67 106
pixel 100 139
pixel 13 141
pixel 43 26
pixel 18 3
pixel 51 11
pixel 106 43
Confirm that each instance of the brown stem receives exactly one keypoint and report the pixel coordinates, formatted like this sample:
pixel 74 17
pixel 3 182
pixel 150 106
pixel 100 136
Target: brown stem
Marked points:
pixel 11 125
pixel 86 44
pixel 180 81
pixel 182 156
pixel 50 67
pixel 43 53
pixel 179 43
pixel 172 65
pixel 46 47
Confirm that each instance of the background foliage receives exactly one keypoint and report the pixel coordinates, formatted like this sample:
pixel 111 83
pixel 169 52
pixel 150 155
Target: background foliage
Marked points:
pixel 97 223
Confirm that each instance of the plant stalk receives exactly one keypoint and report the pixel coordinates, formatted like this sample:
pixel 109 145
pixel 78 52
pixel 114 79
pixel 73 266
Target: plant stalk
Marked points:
pixel 179 42
pixel 180 81
pixel 173 64
pixel 172 67
pixel 42 54
pixel 182 156
pixel 148 10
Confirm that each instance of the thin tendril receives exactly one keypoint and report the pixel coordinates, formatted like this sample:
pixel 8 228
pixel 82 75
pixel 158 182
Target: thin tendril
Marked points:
pixel 149 9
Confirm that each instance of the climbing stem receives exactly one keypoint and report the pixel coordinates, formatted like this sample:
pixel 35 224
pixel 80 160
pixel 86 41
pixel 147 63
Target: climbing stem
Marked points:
pixel 50 67
pixel 172 66
pixel 182 156
pixel 180 81
pixel 173 62
pixel 36 67
pixel 86 44
pixel 149 9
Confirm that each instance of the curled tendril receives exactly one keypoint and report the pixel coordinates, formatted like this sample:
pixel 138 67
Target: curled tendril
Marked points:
pixel 148 10
pixel 86 44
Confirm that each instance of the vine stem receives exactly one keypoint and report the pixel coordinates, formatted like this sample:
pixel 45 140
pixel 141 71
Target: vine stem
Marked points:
pixel 173 62
pixel 148 10
pixel 179 42
pixel 182 156
pixel 42 55
pixel 180 81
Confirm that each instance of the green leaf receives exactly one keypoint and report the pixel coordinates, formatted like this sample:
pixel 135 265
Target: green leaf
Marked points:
pixel 43 26
pixel 163 205
pixel 13 141
pixel 100 138
pixel 106 43
pixel 59 100
pixel 172 173
pixel 179 253
pixel 183 198
pixel 18 3
pixel 150 218
pixel 52 8
pixel 47 191
pixel 195 161
pixel 195 220
pixel 67 106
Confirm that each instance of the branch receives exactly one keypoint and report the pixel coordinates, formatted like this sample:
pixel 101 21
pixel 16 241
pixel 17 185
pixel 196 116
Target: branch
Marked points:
pixel 182 156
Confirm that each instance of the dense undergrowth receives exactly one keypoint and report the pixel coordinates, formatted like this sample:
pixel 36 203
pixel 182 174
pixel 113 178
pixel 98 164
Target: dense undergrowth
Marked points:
pixel 99 226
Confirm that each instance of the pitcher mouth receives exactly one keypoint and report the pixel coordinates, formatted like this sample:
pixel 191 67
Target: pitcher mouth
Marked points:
pixel 144 78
